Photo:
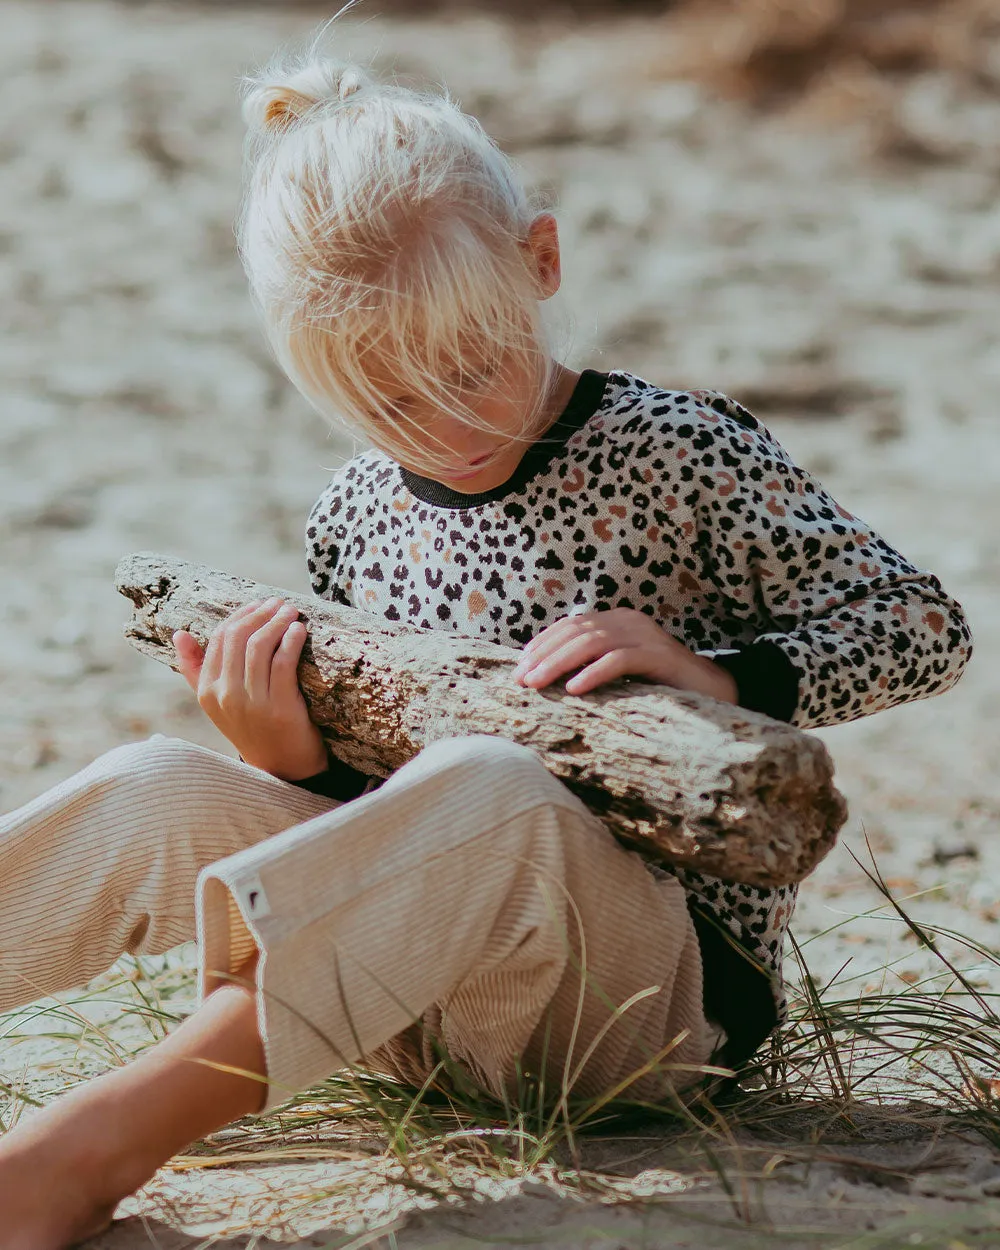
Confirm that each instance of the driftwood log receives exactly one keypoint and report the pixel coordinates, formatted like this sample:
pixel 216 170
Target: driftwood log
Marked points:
pixel 682 778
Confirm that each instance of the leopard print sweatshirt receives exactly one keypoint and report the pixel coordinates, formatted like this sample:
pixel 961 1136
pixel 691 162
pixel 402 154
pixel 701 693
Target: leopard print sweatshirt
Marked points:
pixel 683 506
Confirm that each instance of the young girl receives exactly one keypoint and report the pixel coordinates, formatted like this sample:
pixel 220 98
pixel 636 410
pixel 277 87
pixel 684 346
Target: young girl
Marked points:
pixel 470 904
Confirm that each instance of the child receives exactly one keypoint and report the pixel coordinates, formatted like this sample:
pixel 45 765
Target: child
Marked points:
pixel 471 903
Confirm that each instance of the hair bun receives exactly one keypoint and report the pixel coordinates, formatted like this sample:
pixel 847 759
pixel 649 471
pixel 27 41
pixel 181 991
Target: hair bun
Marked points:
pixel 276 101
pixel 351 80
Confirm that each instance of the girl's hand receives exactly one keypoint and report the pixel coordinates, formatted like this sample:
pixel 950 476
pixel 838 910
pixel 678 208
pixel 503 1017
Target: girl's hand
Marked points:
pixel 246 681
pixel 618 643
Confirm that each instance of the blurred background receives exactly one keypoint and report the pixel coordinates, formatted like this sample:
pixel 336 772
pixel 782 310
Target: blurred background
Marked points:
pixel 793 202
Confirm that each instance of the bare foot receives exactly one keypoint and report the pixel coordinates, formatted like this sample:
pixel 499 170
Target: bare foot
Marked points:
pixel 64 1169
pixel 50 1199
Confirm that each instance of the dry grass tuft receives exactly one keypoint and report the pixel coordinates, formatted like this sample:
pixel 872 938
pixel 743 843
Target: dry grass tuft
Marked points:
pixel 857 1066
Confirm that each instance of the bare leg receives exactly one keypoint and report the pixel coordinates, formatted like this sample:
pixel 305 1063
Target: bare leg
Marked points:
pixel 100 1143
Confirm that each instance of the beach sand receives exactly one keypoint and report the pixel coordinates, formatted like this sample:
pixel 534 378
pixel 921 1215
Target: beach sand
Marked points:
pixel 840 277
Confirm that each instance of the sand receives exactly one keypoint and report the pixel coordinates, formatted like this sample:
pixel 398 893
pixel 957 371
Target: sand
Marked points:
pixel 840 282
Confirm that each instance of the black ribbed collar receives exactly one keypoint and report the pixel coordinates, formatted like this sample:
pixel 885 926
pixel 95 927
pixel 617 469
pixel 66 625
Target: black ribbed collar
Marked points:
pixel 583 403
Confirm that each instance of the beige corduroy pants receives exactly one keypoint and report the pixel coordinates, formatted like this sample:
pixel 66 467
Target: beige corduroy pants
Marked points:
pixel 472 904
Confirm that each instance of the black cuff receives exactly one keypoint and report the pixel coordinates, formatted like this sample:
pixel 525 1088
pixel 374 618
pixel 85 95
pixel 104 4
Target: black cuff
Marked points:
pixel 339 781
pixel 766 679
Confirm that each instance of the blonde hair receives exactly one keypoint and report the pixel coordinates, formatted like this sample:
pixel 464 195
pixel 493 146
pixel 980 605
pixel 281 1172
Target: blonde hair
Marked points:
pixel 382 224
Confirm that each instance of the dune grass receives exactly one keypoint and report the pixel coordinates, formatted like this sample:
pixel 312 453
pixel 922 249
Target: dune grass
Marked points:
pixel 851 1064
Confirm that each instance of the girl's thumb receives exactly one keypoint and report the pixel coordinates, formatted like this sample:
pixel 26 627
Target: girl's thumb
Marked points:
pixel 190 656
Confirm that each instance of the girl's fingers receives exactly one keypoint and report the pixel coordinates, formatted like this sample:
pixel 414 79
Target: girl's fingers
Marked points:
pixel 565 624
pixel 578 650
pixel 539 639
pixel 611 666
pixel 285 665
pixel 652 663
pixel 261 648
pixel 616 627
pixel 235 634
pixel 255 605
pixel 215 652
pixel 548 641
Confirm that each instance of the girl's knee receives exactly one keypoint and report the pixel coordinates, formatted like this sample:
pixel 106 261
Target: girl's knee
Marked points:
pixel 483 751
pixel 151 756
pixel 485 761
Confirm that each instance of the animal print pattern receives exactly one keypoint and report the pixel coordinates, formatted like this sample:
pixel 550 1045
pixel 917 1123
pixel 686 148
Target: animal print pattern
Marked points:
pixel 678 504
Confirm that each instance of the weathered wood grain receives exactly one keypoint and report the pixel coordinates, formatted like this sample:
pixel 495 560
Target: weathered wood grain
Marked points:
pixel 682 778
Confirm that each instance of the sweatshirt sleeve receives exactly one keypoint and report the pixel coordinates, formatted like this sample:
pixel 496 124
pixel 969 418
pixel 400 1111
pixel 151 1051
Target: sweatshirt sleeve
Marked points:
pixel 852 626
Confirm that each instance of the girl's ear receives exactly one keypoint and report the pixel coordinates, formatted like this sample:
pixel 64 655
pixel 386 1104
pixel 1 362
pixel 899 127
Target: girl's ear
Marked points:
pixel 543 243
